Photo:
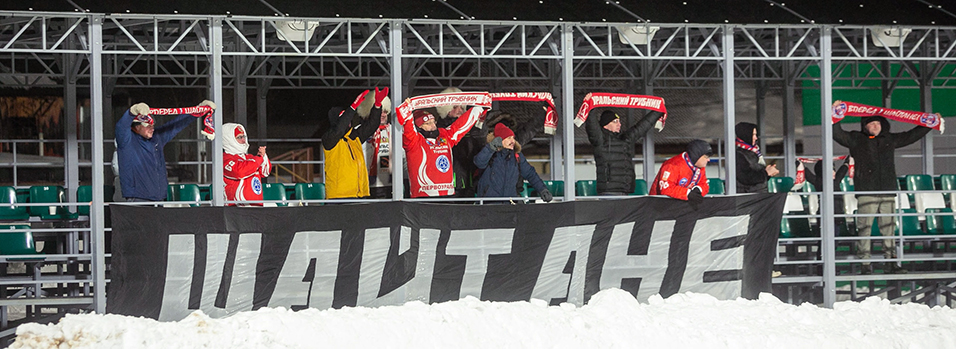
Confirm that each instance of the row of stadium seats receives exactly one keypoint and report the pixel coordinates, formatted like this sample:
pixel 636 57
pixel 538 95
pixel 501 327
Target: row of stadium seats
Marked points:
pixel 589 187
pixel 270 191
pixel 52 194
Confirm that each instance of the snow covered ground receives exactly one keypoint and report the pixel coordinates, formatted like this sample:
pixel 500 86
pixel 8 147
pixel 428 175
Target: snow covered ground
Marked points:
pixel 613 318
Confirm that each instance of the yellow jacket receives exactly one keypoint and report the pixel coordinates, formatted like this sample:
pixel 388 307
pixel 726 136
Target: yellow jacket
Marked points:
pixel 345 173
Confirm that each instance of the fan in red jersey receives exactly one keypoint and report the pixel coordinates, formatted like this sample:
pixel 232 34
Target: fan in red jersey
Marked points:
pixel 242 172
pixel 428 149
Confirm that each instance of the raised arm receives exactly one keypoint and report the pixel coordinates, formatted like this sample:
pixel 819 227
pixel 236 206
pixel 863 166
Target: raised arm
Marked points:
pixel 639 129
pixel 593 128
pixel 458 129
pixel 123 132
pixel 909 137
pixel 335 133
pixel 367 127
pixel 165 133
pixel 234 169
pixel 525 132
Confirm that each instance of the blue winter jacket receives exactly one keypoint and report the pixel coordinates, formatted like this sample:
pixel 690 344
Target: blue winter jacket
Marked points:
pixel 142 163
pixel 503 170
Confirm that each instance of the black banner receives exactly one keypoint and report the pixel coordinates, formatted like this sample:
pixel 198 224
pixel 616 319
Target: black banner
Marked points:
pixel 168 262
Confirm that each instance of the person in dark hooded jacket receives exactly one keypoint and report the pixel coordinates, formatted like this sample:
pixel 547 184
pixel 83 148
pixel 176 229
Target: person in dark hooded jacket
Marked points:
pixel 752 169
pixel 614 150
pixel 873 149
pixel 504 167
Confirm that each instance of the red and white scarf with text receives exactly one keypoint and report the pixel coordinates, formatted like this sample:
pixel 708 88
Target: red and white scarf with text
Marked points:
pixel 550 118
pixel 620 100
pixel 478 99
pixel 843 109
pixel 209 125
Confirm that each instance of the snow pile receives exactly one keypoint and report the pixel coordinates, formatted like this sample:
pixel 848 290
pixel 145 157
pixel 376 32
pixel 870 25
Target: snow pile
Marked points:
pixel 613 318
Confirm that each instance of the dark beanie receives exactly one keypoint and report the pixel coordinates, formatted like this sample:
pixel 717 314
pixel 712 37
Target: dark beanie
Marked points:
pixel 745 131
pixel 607 116
pixel 698 148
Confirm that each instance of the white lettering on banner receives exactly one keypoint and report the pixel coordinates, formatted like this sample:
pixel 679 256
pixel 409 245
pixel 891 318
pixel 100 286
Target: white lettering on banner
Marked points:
pixel 477 245
pixel 374 255
pixel 552 282
pixel 650 268
pixel 420 286
pixel 308 275
pixel 700 257
pixel 175 304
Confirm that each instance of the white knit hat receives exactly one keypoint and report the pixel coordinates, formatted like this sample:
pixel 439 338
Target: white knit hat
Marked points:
pixel 443 110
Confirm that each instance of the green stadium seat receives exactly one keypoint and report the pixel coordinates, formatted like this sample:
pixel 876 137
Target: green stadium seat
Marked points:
pixel 942 224
pixel 555 187
pixel 716 186
pixel 49 194
pixel 274 191
pixel 585 188
pixel 640 187
pixel 17 243
pixel 8 195
pixel 84 197
pixel 309 191
pixel 795 227
pixel 910 224
pixel 779 184
pixel 846 184
pixel 525 192
pixel 948 182
pixel 188 192
pixel 172 191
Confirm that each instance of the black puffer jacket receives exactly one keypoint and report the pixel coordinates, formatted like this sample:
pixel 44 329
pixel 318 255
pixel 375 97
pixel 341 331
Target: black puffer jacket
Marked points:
pixel 614 152
pixel 751 173
pixel 875 156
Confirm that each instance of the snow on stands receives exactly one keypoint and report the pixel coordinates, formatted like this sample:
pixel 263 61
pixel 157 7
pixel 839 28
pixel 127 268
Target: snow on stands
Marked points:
pixel 612 319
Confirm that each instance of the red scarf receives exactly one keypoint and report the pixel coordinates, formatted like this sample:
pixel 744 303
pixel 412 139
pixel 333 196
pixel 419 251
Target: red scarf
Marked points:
pixel 744 145
pixel 696 178
pixel 478 99
pixel 198 111
pixel 843 109
pixel 600 99
pixel 801 176
pixel 550 118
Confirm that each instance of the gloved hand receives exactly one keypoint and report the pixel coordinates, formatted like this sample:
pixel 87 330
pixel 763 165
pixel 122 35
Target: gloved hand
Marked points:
pixel 358 100
pixel 209 127
pixel 139 109
pixel 380 96
pixel 695 197
pixel 838 111
pixel 496 143
pixel 846 161
pixel 208 103
pixel 546 195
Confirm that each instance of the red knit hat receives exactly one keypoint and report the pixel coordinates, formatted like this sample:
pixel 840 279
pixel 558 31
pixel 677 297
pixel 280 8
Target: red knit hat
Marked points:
pixel 239 131
pixel 503 131
pixel 421 117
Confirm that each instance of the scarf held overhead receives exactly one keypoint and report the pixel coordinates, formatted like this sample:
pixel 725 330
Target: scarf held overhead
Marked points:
pixel 843 109
pixel 478 99
pixel 600 99
pixel 209 125
pixel 550 118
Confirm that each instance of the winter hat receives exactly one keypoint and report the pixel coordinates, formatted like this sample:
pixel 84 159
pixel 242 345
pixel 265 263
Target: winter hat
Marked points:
pixel 144 119
pixel 698 148
pixel 869 119
pixel 444 109
pixel 503 131
pixel 365 107
pixel 229 143
pixel 421 117
pixel 607 117
pixel 745 131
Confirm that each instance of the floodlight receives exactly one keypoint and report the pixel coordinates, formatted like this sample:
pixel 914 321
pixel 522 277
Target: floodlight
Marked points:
pixel 889 36
pixel 295 30
pixel 637 35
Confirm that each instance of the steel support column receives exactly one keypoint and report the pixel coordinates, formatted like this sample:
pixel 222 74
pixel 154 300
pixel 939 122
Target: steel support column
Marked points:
pixel 97 219
pixel 827 245
pixel 789 121
pixel 567 99
pixel 215 91
pixel 926 105
pixel 397 153
pixel 730 161
pixel 71 149
pixel 648 149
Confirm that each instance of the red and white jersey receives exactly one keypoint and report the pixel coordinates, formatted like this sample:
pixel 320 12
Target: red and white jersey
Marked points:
pixel 243 175
pixel 429 160
pixel 678 176
pixel 375 150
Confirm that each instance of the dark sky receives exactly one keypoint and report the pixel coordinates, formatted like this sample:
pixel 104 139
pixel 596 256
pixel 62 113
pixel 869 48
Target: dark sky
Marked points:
pixel 910 12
